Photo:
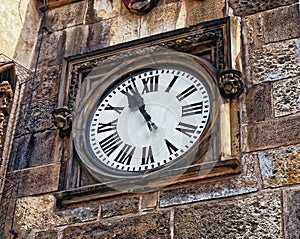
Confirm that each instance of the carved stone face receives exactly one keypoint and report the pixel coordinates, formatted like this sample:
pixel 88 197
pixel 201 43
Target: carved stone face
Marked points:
pixel 140 7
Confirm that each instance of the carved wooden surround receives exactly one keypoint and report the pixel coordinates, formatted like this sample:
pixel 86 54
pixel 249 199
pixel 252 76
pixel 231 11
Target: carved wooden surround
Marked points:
pixel 215 41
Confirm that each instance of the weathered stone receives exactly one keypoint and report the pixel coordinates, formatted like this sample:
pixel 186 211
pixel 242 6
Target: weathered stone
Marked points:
pixel 254 30
pixel 149 201
pixel 253 217
pixel 161 19
pixel 248 7
pixel 36 213
pixel 281 24
pixel 33 181
pixel 275 61
pixel 258 103
pixel 79 214
pixel 150 226
pixel 33 150
pixel 201 11
pixel 38 119
pixel 291 205
pixel 120 207
pixel 244 183
pixel 87 38
pixel 271 134
pixel 49 234
pixel 124 29
pixel 67 16
pixel 52 49
pixel 286 95
pixel 107 9
pixel 280 167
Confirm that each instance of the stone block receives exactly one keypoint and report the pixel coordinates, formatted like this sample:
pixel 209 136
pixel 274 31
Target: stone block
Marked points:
pixel 85 38
pixel 258 103
pixel 79 214
pixel 252 217
pixel 271 134
pixel 280 167
pixel 39 180
pixel 150 226
pixel 286 97
pixel 66 16
pixel 246 182
pixel 106 9
pixel 254 30
pixel 33 150
pixel 120 207
pixel 52 49
pixel 242 8
pixel 36 214
pixel 38 119
pixel 281 24
pixel 202 11
pixel 275 61
pixel 291 208
pixel 161 19
pixel 125 28
pixel 149 201
pixel 49 234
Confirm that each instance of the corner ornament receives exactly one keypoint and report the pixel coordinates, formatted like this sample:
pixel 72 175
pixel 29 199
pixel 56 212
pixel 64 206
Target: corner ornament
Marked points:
pixel 231 83
pixel 62 119
pixel 140 7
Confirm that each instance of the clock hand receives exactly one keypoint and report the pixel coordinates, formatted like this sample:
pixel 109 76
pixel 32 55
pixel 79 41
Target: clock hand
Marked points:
pixel 147 117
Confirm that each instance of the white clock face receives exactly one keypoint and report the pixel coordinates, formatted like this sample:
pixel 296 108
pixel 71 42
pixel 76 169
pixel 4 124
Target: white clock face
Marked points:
pixel 149 119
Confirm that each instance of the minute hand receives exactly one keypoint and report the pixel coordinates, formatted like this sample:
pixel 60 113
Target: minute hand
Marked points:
pixel 147 117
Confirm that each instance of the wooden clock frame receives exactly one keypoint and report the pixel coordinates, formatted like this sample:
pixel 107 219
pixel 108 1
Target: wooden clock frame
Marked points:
pixel 218 42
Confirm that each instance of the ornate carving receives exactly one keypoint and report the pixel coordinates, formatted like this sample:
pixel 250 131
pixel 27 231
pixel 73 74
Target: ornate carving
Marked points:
pixel 140 7
pixel 62 119
pixel 6 96
pixel 231 83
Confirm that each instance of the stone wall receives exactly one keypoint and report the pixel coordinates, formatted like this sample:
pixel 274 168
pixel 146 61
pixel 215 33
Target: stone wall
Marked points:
pixel 260 202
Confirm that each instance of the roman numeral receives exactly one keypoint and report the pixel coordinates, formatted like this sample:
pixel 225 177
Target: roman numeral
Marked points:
pixel 171 84
pixel 186 93
pixel 110 143
pixel 104 127
pixel 186 129
pixel 147 156
pixel 172 149
pixel 125 155
pixel 192 109
pixel 150 84
pixel 117 109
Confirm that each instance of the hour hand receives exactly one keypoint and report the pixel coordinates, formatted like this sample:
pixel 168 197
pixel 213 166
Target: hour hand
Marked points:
pixel 135 100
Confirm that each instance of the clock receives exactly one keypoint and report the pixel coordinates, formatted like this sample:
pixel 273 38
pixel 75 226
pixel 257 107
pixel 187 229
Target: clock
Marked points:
pixel 143 118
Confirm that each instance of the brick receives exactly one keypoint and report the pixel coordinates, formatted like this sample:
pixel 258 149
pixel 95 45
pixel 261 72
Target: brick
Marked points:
pixel 271 134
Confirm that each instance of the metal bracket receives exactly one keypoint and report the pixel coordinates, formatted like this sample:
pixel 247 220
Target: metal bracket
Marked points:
pixel 231 83
pixel 62 119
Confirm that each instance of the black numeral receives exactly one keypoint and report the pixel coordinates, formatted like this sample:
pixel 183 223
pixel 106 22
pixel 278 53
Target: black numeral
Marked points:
pixel 117 109
pixel 192 109
pixel 186 93
pixel 186 129
pixel 125 155
pixel 147 156
pixel 110 143
pixel 104 127
pixel 150 84
pixel 171 84
pixel 171 147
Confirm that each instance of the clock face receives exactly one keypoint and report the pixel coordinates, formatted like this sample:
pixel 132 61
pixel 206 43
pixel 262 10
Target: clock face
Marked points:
pixel 148 120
